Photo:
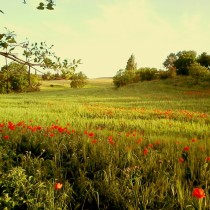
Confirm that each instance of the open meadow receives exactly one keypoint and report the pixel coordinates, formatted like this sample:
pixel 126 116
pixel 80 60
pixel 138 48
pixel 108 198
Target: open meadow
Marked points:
pixel 143 146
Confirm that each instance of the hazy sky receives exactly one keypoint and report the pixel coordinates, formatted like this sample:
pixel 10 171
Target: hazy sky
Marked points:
pixel 104 33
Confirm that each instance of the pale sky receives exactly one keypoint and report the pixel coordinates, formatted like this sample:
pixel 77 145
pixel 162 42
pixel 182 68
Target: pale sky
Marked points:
pixel 104 33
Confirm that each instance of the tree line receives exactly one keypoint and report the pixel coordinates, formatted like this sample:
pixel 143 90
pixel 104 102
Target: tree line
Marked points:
pixel 185 63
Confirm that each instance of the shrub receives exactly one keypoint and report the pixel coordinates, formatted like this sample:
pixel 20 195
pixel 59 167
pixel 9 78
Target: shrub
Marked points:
pixel 14 78
pixel 197 72
pixel 78 80
pixel 125 77
pixel 148 74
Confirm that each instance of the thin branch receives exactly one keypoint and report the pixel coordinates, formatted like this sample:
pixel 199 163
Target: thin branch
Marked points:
pixel 18 60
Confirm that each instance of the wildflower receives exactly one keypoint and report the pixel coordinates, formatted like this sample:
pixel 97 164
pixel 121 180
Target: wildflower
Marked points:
pixel 111 141
pixel 181 160
pixel 145 152
pixel 198 193
pixel 6 137
pixel 150 145
pixel 194 140
pixel 157 142
pixel 186 148
pixel 208 159
pixel 139 141
pixel 91 134
pixel 58 186
pixel 52 134
pixel 94 141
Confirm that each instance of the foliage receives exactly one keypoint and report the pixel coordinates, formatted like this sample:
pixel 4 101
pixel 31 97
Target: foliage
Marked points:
pixel 14 78
pixel 35 55
pixel 78 80
pixel 184 60
pixel 125 77
pixel 197 72
pixel 47 4
pixel 147 73
pixel 204 60
pixel 131 64
pixel 169 63
pixel 180 62
pixel 106 148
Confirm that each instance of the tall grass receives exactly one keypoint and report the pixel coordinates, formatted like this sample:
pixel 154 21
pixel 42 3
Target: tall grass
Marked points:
pixel 145 146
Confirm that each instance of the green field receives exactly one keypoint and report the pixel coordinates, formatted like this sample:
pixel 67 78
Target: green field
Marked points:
pixel 143 146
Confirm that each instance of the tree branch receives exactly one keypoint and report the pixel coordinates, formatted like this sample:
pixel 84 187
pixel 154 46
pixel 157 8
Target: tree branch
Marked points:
pixel 18 60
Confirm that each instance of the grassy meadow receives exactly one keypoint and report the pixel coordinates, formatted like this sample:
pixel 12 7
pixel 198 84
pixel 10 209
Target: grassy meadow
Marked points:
pixel 143 146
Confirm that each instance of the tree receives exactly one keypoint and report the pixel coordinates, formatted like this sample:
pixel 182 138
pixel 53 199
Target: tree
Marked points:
pixel 78 80
pixel 147 74
pixel 197 72
pixel 35 55
pixel 169 63
pixel 131 64
pixel 204 60
pixel 13 78
pixel 184 60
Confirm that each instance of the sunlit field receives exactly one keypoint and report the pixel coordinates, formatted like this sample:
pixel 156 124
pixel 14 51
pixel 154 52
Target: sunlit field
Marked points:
pixel 143 146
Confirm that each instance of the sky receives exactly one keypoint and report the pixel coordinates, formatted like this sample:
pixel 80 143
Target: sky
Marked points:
pixel 104 33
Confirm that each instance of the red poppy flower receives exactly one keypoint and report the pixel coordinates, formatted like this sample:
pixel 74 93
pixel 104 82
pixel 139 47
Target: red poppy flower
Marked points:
pixel 194 140
pixel 145 152
pixel 91 134
pixel 208 159
pixel 6 137
pixel 187 148
pixel 198 193
pixel 58 186
pixel 94 141
pixel 111 141
pixel 181 160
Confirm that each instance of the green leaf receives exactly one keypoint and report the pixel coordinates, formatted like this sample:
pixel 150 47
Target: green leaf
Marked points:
pixel 50 6
pixel 12 49
pixel 41 6
pixel 4 45
pixel 12 40
pixel 1 36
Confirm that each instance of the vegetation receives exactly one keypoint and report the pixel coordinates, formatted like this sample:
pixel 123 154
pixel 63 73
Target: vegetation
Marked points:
pixel 46 4
pixel 183 63
pixel 14 78
pixel 144 146
pixel 36 55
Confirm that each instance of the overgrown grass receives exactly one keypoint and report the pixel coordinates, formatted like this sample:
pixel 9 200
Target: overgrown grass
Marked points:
pixel 145 146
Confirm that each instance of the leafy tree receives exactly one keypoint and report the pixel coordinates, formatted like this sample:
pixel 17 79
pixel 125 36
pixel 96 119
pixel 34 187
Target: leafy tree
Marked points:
pixel 147 73
pixel 13 78
pixel 204 60
pixel 184 60
pixel 35 55
pixel 197 72
pixel 125 77
pixel 78 80
pixel 131 64
pixel 169 63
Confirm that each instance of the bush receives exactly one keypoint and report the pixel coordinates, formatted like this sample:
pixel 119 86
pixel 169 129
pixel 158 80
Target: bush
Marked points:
pixel 148 74
pixel 164 74
pixel 14 78
pixel 197 72
pixel 125 77
pixel 78 80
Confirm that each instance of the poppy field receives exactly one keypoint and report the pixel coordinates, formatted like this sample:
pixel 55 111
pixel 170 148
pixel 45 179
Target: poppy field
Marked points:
pixel 145 146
